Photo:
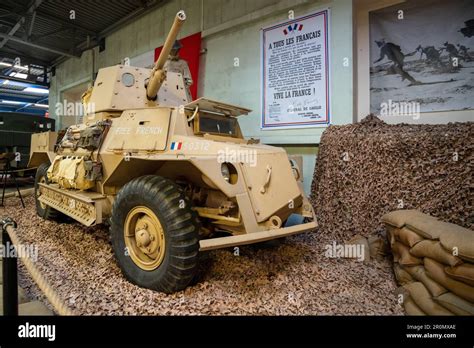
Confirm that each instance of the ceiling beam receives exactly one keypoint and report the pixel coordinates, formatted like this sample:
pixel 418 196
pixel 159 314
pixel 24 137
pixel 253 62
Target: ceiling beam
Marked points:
pixel 62 21
pixel 6 52
pixel 146 6
pixel 49 33
pixel 13 30
pixel 50 17
pixel 32 23
pixel 41 47
pixel 21 21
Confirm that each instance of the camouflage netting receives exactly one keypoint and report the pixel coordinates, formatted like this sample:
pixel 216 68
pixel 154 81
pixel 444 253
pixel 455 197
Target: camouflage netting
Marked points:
pixel 367 169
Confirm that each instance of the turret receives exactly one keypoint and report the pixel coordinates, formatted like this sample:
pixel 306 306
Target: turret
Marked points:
pixel 158 74
pixel 121 87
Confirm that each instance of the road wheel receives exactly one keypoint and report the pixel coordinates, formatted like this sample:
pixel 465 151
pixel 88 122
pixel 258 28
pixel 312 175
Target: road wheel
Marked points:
pixel 43 210
pixel 154 234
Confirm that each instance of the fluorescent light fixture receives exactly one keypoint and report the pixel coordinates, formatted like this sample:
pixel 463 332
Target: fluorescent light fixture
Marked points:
pixel 15 66
pixel 21 67
pixel 19 75
pixel 6 82
pixel 36 90
pixel 11 102
pixel 43 106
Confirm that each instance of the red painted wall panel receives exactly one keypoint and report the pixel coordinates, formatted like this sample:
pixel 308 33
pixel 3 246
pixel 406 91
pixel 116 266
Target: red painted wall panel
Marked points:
pixel 189 52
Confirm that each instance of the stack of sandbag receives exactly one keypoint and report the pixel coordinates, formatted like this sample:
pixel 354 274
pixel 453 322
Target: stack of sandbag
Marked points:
pixel 434 263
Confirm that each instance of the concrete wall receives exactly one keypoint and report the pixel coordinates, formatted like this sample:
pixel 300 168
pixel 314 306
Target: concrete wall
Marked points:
pixel 241 85
pixel 230 29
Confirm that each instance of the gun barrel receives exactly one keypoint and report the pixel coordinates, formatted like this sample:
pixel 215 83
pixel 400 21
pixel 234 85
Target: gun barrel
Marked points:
pixel 157 74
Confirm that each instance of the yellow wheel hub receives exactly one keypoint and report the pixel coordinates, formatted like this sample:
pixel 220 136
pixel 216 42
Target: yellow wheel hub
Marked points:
pixel 144 238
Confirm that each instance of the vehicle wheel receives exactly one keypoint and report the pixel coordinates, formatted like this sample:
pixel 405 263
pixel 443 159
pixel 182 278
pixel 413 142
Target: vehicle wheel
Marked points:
pixel 43 210
pixel 154 235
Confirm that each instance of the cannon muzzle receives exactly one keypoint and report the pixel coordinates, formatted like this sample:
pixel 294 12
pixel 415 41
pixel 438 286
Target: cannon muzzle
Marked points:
pixel 158 75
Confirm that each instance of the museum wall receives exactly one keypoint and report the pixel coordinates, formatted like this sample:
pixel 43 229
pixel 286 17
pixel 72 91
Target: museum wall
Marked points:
pixel 230 30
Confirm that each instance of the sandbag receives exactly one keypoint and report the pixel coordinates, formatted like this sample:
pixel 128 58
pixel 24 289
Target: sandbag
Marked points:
pixel 419 273
pixel 391 232
pixel 455 236
pixel 455 304
pixel 398 218
pixel 436 272
pixel 426 226
pixel 464 273
pixel 434 250
pixel 401 254
pixel 377 247
pixel 422 299
pixel 362 243
pixel 407 236
pixel 411 308
pixel 402 276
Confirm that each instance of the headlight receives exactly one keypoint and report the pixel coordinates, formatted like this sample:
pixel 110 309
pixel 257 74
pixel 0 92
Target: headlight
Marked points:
pixel 229 173
pixel 225 172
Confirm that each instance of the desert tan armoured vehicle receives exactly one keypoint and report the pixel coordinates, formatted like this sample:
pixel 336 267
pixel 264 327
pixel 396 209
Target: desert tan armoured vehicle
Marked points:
pixel 172 176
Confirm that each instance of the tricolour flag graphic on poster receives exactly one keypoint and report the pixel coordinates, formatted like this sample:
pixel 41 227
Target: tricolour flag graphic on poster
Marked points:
pixel 294 27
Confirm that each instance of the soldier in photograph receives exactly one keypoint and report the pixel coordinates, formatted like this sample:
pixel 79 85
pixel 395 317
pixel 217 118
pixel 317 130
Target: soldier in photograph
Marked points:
pixel 465 52
pixel 394 53
pixel 432 54
pixel 451 50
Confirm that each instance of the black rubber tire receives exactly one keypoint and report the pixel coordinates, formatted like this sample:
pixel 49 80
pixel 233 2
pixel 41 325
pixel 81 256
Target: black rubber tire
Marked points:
pixel 181 230
pixel 47 213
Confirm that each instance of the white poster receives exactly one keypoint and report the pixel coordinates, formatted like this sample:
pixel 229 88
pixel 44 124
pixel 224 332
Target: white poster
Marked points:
pixel 295 68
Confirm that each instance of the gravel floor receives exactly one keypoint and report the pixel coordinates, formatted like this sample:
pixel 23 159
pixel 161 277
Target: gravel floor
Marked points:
pixel 290 278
